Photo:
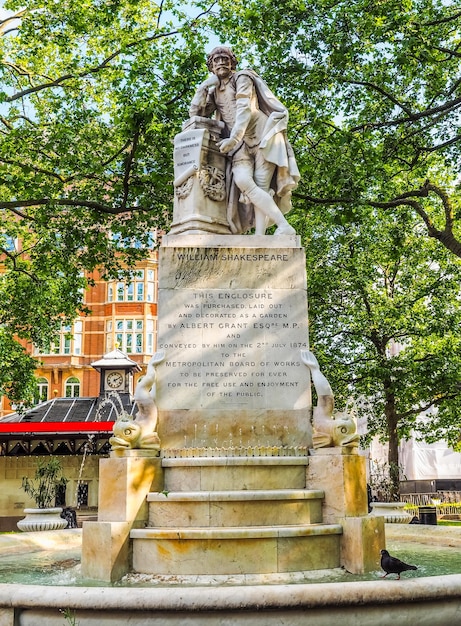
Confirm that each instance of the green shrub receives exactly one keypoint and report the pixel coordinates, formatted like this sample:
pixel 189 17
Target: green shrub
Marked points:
pixel 48 479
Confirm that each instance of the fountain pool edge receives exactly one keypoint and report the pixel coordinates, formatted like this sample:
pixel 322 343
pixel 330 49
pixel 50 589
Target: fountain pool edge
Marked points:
pixel 426 601
pixel 434 600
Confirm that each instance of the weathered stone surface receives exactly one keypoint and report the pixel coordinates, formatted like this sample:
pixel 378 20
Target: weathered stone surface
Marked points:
pixel 235 508
pixel 232 323
pixel 7 617
pixel 199 186
pixel 363 539
pixel 105 550
pixel 235 550
pixel 235 473
pixel 343 478
pixel 124 484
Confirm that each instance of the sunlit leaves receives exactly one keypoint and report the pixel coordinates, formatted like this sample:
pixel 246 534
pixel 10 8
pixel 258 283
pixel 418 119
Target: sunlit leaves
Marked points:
pixel 385 317
pixel 93 93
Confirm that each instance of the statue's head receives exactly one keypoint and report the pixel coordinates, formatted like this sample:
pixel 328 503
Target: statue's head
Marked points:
pixel 219 53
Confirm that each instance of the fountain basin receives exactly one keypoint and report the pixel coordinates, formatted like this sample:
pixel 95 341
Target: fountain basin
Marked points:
pixel 252 601
pixel 425 601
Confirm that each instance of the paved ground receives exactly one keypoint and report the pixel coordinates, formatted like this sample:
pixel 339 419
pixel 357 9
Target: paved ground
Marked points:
pixel 434 535
pixel 15 543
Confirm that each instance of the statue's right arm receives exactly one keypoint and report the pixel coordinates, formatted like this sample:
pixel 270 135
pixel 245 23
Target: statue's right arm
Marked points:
pixel 202 103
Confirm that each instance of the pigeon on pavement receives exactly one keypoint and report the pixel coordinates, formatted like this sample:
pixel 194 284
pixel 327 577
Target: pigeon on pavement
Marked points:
pixel 392 565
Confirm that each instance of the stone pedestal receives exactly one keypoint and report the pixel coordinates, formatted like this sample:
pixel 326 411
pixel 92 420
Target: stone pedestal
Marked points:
pixel 234 408
pixel 106 550
pixel 200 199
pixel 341 473
pixel 125 479
pixel 362 540
pixel 233 322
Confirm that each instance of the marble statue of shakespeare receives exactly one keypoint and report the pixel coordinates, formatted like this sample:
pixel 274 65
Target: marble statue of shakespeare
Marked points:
pixel 262 170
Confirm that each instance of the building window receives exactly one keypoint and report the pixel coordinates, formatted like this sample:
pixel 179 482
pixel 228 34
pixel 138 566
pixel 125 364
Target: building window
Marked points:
pixel 69 341
pixel 132 336
pixel 129 335
pixel 72 387
pixel 77 338
pixel 150 332
pixel 140 287
pixel 41 394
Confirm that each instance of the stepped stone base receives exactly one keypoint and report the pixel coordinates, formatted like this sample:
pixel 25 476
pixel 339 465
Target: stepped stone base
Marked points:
pixel 235 473
pixel 229 516
pixel 235 515
pixel 251 550
pixel 236 508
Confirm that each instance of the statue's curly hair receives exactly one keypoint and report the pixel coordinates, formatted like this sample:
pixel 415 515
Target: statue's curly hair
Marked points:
pixel 221 50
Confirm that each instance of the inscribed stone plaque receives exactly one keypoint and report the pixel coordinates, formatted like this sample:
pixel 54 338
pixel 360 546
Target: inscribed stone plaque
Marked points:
pixel 232 323
pixel 187 153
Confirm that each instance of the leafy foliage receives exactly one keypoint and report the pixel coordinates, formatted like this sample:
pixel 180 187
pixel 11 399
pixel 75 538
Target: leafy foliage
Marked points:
pixel 373 90
pixel 91 95
pixel 17 372
pixel 94 91
pixel 374 95
pixel 385 322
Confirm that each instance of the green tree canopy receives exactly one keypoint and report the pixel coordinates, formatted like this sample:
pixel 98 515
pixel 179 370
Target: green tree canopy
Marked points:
pixel 91 94
pixel 374 90
pixel 385 317
pixel 374 93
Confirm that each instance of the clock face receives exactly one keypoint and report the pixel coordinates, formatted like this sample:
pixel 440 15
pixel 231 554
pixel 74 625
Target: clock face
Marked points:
pixel 114 380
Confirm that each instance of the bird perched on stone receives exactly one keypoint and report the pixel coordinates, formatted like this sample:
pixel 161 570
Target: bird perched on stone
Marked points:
pixel 392 565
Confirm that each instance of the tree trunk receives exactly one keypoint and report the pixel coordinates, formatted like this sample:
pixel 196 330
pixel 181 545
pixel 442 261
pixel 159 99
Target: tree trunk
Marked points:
pixel 393 455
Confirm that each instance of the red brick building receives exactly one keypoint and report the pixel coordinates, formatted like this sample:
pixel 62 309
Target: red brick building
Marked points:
pixel 123 315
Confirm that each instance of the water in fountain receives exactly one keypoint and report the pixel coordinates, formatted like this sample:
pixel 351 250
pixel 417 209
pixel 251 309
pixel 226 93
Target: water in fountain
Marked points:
pixel 112 400
pixel 61 566
pixel 114 404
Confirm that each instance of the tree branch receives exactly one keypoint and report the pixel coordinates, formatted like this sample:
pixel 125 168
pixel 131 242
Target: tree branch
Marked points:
pixel 445 236
pixel 35 169
pixel 5 23
pixel 129 162
pixel 435 402
pixel 444 20
pixel 58 82
pixel 96 206
pixel 382 91
pixel 413 117
pixel 16 268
